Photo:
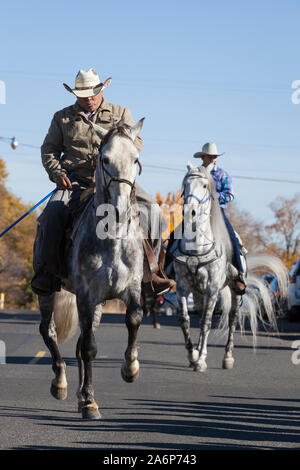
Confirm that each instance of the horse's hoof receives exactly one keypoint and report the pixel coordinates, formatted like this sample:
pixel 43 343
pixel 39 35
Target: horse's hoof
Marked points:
pixel 58 392
pixel 90 411
pixel 228 363
pixel 193 357
pixel 131 373
pixel 129 378
pixel 156 325
pixel 192 363
pixel 200 367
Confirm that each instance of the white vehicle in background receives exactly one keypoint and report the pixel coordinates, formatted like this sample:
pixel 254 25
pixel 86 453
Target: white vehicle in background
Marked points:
pixel 293 301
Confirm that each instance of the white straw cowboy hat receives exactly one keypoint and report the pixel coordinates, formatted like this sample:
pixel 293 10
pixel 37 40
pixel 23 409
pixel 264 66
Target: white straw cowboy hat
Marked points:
pixel 87 83
pixel 209 149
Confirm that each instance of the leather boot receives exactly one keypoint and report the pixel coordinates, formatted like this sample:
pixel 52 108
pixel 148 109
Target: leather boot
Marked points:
pixel 240 285
pixel 161 285
pixel 45 283
pixel 154 279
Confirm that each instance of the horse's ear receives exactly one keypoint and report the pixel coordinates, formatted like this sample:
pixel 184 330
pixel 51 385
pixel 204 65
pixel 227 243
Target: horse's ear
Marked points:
pixel 189 165
pixel 135 130
pixel 100 130
pixel 106 83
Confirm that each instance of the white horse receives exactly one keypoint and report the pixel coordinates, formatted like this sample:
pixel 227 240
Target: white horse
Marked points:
pixel 202 261
pixel 106 261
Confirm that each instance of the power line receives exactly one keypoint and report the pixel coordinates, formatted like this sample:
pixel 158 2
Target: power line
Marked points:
pixel 9 139
pixel 180 170
pixel 271 180
pixel 165 81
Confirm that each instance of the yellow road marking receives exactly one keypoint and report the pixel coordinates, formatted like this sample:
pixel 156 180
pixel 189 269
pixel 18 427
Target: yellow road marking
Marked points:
pixel 37 357
pixel 41 354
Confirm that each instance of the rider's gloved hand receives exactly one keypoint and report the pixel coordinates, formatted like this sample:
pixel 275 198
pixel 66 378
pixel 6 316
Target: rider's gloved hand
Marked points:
pixel 63 182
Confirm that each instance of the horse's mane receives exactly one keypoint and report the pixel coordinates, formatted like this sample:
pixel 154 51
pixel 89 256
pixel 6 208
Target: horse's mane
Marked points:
pixel 219 230
pixel 121 130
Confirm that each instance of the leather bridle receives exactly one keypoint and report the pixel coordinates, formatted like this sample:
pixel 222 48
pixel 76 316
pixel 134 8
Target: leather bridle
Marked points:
pixel 191 195
pixel 116 179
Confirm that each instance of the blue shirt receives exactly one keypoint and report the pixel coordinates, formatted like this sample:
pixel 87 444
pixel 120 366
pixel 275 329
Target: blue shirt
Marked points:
pixel 223 185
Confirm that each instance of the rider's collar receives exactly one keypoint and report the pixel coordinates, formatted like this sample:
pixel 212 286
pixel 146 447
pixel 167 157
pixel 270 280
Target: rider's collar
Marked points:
pixel 215 168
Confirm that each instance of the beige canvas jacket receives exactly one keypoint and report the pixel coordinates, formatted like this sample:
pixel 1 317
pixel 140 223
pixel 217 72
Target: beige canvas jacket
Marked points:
pixel 71 143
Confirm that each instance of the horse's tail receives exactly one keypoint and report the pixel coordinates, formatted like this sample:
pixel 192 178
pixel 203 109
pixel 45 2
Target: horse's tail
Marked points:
pixel 258 293
pixel 259 263
pixel 65 315
pixel 258 301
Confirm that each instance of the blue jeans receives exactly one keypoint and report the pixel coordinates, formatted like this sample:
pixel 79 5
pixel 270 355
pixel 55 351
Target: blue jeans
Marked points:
pixel 235 244
pixel 54 221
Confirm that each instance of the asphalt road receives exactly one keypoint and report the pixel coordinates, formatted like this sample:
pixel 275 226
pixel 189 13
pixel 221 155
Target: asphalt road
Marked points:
pixel 254 406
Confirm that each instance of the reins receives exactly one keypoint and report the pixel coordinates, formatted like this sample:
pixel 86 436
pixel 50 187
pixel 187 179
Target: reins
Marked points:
pixel 117 180
pixel 32 209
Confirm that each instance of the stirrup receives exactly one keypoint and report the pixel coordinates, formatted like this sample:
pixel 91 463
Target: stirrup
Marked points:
pixel 159 286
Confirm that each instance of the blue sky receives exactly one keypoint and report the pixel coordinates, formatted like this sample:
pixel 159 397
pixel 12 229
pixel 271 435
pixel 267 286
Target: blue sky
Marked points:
pixel 198 71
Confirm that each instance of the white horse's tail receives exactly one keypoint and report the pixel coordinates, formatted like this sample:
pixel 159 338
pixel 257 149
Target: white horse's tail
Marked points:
pixel 258 301
pixel 270 263
pixel 65 315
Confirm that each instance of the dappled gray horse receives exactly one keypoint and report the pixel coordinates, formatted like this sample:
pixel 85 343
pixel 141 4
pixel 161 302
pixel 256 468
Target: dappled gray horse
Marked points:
pixel 202 260
pixel 106 261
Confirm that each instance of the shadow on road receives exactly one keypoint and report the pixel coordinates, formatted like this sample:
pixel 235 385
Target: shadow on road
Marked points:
pixel 252 423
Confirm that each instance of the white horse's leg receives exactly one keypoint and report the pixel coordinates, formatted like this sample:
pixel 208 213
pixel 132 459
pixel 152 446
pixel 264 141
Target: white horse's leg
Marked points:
pixel 88 351
pixel 199 308
pixel 228 359
pixel 133 319
pixel 184 322
pixel 205 326
pixel 79 393
pixel 48 332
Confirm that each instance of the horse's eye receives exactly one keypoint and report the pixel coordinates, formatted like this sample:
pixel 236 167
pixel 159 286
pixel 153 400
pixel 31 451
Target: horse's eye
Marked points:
pixel 105 160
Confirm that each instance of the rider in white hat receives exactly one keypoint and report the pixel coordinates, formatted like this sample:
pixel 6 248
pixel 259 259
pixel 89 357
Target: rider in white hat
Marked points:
pixel 210 154
pixel 72 146
pixel 87 83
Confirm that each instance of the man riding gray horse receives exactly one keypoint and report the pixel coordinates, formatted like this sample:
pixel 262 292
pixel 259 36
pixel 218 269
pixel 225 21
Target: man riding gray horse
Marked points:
pixel 72 146
pixel 223 182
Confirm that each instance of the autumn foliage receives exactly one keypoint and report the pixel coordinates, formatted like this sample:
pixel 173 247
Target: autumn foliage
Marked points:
pixel 15 248
pixel 171 208
pixel 282 238
pixel 285 231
